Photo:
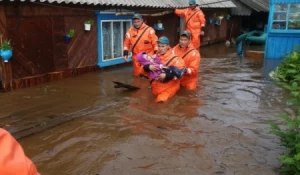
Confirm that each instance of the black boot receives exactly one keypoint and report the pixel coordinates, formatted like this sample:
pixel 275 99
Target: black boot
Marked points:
pixel 183 71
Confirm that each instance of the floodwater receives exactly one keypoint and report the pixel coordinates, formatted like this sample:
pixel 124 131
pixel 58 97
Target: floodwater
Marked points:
pixel 220 128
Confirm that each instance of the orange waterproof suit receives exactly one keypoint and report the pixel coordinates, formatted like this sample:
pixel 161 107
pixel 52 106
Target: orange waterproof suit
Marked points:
pixel 147 42
pixel 13 161
pixel 191 58
pixel 195 20
pixel 164 91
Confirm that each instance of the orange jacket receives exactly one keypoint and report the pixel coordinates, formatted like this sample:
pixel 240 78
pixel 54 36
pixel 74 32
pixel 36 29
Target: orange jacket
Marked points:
pixel 13 161
pixel 164 91
pixel 196 22
pixel 192 62
pixel 147 43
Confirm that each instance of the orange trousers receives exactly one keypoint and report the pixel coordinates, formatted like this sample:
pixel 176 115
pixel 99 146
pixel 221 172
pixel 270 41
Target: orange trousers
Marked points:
pixel 164 91
pixel 189 82
pixel 196 40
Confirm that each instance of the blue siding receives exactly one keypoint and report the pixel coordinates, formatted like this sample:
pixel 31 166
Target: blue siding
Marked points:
pixel 279 44
pixel 101 17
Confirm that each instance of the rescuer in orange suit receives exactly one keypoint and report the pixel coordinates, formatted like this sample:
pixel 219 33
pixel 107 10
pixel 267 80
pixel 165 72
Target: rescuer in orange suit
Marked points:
pixel 195 21
pixel 164 91
pixel 139 38
pixel 191 58
pixel 13 161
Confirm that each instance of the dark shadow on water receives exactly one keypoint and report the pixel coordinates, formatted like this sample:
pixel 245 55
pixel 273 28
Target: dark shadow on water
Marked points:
pixel 268 66
pixel 217 51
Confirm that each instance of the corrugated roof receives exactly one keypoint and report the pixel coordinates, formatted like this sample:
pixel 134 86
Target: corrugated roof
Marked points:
pixel 145 3
pixel 216 3
pixel 241 9
pixel 132 3
pixel 258 5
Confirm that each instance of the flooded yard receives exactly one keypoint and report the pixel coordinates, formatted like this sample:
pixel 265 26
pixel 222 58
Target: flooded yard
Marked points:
pixel 83 126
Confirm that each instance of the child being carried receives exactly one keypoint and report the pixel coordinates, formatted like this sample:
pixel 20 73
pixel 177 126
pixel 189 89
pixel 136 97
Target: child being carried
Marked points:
pixel 144 59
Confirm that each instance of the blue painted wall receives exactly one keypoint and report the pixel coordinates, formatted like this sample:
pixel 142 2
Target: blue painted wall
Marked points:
pixel 280 42
pixel 108 16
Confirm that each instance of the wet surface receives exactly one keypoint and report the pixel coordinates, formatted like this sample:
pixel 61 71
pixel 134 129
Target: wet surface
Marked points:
pixel 220 128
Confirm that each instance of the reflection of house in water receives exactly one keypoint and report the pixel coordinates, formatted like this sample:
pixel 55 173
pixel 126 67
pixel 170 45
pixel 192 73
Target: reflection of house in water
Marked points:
pixel 283 29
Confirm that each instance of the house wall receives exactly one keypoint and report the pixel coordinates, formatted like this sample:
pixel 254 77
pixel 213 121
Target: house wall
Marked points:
pixel 82 51
pixel 280 42
pixel 219 33
pixel 37 39
pixel 234 27
pixel 171 26
pixel 213 33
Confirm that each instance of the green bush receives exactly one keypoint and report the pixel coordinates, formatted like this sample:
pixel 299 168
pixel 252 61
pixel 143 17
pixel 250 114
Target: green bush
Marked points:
pixel 289 69
pixel 290 137
pixel 288 73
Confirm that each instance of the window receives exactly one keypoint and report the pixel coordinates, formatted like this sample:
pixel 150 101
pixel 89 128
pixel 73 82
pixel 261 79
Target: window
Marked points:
pixel 113 34
pixel 286 17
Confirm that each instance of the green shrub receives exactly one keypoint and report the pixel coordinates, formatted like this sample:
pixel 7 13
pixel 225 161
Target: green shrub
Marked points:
pixel 290 138
pixel 288 73
pixel 289 69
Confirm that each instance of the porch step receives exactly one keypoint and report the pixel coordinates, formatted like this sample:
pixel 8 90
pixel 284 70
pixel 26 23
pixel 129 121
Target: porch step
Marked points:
pixel 255 54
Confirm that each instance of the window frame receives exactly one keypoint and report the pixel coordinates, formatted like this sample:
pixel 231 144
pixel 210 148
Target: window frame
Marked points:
pixel 271 19
pixel 112 35
pixel 109 16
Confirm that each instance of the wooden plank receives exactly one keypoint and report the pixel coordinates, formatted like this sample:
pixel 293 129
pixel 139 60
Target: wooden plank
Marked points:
pixel 3 21
pixel 31 81
pixel 5 68
pixel 215 33
pixel 33 46
pixel 60 47
pixel 82 50
pixel 170 24
pixel 6 76
pixel 255 54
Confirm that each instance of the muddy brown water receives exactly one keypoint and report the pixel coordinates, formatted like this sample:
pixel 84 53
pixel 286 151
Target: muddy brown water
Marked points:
pixel 219 128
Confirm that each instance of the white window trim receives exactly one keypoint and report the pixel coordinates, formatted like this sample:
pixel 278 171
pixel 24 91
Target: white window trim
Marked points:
pixel 111 37
pixel 288 12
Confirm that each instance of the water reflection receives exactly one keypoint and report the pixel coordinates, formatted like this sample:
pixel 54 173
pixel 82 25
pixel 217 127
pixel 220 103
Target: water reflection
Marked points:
pixel 269 65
